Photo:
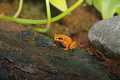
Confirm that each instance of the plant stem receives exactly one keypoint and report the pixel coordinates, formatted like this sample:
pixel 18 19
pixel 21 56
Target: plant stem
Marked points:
pixel 48 11
pixel 19 9
pixel 44 21
pixel 75 5
pixel 48 14
pixel 43 30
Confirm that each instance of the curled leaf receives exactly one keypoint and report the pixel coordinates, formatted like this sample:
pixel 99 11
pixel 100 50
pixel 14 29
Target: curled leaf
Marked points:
pixel 59 4
pixel 106 7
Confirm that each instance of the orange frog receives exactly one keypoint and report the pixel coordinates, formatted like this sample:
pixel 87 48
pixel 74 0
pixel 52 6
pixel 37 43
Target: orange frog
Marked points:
pixel 66 41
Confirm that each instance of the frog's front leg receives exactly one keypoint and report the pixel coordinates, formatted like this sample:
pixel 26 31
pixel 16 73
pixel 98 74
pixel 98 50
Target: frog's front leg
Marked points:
pixel 66 47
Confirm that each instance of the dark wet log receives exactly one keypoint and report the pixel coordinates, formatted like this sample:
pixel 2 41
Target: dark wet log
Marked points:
pixel 22 59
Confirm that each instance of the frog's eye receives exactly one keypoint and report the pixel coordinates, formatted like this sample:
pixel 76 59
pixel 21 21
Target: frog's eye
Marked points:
pixel 60 38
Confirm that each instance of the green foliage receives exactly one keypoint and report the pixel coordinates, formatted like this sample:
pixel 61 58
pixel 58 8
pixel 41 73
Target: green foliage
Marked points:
pixel 89 2
pixel 107 8
pixel 59 4
pixel 44 21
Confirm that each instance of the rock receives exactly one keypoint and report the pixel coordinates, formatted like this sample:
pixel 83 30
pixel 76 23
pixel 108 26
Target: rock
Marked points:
pixel 54 63
pixel 79 63
pixel 43 41
pixel 3 74
pixel 46 63
pixel 105 35
pixel 36 39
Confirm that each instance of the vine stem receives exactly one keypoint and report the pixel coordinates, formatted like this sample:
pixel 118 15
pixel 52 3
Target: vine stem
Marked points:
pixel 44 21
pixel 43 30
pixel 48 11
pixel 19 9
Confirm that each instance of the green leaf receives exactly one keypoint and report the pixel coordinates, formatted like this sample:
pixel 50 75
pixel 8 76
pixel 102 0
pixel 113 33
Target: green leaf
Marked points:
pixel 107 7
pixel 59 4
pixel 89 2
pixel 118 10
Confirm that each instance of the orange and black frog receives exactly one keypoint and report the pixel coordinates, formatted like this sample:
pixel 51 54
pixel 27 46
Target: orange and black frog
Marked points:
pixel 66 41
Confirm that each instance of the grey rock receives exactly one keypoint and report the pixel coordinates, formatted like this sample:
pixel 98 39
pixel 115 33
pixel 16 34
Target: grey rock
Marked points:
pixel 105 35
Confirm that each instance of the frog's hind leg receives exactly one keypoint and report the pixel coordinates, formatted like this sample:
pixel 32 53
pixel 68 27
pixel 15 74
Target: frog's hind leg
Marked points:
pixel 73 45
